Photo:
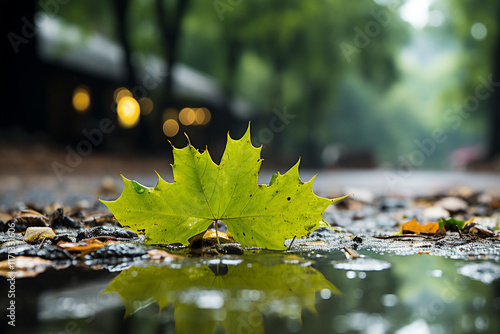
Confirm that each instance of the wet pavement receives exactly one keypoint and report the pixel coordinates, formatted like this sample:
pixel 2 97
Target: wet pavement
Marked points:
pixel 359 278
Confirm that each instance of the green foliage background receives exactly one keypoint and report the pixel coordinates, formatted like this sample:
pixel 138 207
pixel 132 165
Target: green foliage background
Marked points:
pixel 287 54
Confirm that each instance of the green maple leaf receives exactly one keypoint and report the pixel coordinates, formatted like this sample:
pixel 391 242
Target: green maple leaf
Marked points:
pixel 203 192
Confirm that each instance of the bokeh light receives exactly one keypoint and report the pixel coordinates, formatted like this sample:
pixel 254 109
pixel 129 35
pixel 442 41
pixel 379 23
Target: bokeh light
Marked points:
pixel 170 127
pixel 199 116
pixel 121 93
pixel 128 112
pixel 187 116
pixel 81 99
pixel 146 105
pixel 479 31
pixel 208 116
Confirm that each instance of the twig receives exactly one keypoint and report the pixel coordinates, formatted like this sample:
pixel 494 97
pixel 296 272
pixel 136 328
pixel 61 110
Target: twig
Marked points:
pixel 291 243
pixel 43 240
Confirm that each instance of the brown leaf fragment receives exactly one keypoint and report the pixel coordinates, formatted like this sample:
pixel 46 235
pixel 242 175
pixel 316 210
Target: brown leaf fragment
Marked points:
pixel 477 230
pixel 441 231
pixel 157 254
pixel 30 217
pixel 86 246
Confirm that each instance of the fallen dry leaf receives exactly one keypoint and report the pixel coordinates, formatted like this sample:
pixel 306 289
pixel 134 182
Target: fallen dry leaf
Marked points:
pixel 86 246
pixel 413 227
pixel 30 217
pixel 35 233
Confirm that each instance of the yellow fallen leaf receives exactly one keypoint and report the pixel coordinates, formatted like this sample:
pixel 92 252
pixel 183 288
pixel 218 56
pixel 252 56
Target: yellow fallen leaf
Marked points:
pixel 413 227
pixel 34 233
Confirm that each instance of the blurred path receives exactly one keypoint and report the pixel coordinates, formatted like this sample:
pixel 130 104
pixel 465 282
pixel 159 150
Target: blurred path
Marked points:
pixel 28 176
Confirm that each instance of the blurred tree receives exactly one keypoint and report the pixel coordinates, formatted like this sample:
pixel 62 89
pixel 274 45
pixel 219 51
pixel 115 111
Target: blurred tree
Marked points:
pixel 22 80
pixel 170 24
pixel 123 30
pixel 477 28
pixel 287 55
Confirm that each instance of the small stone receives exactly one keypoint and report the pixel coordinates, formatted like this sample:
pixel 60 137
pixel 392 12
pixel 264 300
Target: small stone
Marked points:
pixel 157 254
pixel 322 233
pixel 108 186
pixel 362 195
pixel 392 203
pixel 233 248
pixel 118 250
pixel 453 204
pixel 435 213
pixel 59 220
pixel 53 207
pixel 46 252
pixel 82 205
pixel 103 231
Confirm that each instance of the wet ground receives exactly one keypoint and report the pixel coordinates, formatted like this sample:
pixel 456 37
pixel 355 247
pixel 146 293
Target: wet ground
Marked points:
pixel 359 278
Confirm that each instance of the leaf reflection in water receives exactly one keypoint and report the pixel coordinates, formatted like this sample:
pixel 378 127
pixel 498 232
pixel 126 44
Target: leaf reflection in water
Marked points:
pixel 236 294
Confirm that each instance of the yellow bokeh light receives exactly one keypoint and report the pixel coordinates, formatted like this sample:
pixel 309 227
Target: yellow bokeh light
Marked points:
pixel 146 105
pixel 81 99
pixel 128 112
pixel 187 116
pixel 207 115
pixel 170 127
pixel 199 116
pixel 121 93
pixel 115 93
pixel 170 113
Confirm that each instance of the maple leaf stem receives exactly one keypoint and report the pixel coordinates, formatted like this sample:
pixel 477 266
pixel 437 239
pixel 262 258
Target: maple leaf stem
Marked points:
pixel 216 223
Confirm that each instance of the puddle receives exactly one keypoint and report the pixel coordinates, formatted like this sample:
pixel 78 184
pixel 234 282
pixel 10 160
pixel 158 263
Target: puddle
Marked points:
pixel 485 272
pixel 268 292
pixel 363 264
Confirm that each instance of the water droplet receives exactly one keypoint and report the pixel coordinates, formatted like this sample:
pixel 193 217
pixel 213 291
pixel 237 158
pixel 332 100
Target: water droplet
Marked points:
pixel 139 188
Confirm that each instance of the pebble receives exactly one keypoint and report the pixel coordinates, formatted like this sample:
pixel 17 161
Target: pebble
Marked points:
pixel 322 233
pixel 59 220
pixel 118 250
pixel 53 207
pixel 108 186
pixel 392 203
pixel 435 213
pixel 82 205
pixel 453 204
pixel 46 252
pixel 103 231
